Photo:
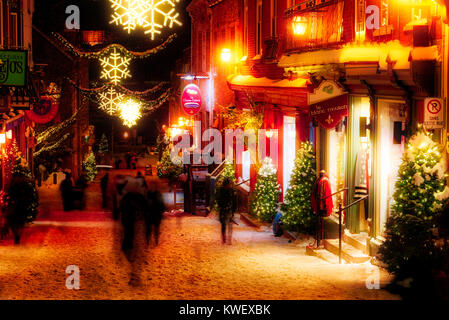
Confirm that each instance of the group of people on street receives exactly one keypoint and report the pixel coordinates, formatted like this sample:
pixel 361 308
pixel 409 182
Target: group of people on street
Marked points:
pixel 130 159
pixel 73 195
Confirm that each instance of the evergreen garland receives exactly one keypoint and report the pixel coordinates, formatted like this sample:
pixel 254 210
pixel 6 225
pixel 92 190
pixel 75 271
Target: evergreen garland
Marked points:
pixel 298 214
pixel 265 197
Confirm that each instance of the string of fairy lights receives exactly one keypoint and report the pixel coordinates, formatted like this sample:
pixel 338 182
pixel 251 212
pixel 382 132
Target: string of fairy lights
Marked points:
pixel 113 98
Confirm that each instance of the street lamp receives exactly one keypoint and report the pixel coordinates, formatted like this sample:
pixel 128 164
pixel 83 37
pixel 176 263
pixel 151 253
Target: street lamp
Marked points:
pixel 225 55
pixel 299 25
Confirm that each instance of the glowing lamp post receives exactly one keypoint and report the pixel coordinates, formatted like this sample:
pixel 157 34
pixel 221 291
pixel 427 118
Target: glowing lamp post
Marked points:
pixel 299 25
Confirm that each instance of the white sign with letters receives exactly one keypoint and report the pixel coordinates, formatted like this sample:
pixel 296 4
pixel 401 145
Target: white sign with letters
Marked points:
pixel 434 113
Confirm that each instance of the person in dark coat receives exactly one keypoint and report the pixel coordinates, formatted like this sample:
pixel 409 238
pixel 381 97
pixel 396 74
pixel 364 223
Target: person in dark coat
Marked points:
pixel 67 192
pixel 104 189
pixel 226 204
pixel 136 231
pixel 117 163
pixel 19 192
pixel 157 208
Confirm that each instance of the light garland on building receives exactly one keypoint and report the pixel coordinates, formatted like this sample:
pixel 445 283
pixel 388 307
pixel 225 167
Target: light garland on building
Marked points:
pixel 147 14
pixel 130 112
pixel 105 51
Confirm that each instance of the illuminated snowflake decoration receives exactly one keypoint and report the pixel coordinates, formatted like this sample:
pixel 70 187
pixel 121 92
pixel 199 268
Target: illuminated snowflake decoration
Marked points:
pixel 110 101
pixel 130 112
pixel 151 15
pixel 115 67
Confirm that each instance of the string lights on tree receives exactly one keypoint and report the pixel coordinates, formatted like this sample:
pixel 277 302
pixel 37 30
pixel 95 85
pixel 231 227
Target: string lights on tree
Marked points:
pixel 151 15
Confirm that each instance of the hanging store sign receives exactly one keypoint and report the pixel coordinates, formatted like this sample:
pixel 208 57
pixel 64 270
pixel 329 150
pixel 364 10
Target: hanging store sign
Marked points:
pixel 329 113
pixel 13 67
pixel 191 99
pixel 433 113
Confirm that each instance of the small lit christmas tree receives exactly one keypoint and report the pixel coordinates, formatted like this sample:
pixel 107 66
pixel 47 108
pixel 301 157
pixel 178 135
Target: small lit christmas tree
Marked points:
pixel 228 174
pixel 169 167
pixel 265 198
pixel 297 206
pixel 420 188
pixel 90 166
pixel 103 147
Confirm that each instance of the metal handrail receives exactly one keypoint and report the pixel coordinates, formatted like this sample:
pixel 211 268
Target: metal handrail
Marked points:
pixel 340 209
pixel 242 182
pixel 333 194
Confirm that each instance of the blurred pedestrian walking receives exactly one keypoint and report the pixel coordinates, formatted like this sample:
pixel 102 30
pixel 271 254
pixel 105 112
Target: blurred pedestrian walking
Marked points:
pixel 157 208
pixel 225 204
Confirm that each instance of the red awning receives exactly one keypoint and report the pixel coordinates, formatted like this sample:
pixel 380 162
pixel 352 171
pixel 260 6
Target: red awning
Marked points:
pixel 283 92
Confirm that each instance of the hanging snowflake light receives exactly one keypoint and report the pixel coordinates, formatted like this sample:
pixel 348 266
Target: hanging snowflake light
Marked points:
pixel 147 14
pixel 130 112
pixel 110 101
pixel 115 67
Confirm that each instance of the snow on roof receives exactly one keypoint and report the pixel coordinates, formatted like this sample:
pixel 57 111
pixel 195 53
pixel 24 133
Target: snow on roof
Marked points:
pixel 382 53
pixel 246 80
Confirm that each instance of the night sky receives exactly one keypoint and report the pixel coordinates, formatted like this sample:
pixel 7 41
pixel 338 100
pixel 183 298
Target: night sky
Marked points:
pixel 95 15
pixel 50 17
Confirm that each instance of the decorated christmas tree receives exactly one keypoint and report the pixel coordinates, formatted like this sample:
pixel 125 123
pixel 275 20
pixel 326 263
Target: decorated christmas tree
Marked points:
pixel 265 198
pixel 297 208
pixel 103 147
pixel 90 166
pixel 409 250
pixel 169 167
pixel 227 175
pixel 420 188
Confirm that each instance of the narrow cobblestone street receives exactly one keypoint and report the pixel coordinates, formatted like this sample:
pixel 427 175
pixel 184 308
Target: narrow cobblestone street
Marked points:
pixel 189 263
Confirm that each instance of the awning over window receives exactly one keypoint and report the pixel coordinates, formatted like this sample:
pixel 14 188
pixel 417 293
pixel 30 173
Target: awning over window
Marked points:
pixel 283 92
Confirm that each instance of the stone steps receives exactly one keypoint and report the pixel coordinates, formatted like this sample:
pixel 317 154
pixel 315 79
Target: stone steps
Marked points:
pixel 349 253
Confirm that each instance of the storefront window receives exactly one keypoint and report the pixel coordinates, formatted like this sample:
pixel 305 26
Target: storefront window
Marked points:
pixel 390 150
pixel 289 150
pixel 336 150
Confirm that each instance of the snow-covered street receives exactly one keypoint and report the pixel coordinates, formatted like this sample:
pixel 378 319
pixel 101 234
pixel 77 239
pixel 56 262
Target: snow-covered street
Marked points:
pixel 189 263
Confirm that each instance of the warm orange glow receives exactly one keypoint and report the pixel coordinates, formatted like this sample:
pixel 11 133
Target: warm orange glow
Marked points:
pixel 126 135
pixel 225 55
pixel 9 134
pixel 299 25
pixel 2 138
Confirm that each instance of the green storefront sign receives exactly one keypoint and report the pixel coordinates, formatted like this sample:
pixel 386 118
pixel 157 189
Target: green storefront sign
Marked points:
pixel 13 67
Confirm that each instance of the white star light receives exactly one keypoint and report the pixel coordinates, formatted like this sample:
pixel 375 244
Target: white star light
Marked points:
pixel 130 112
pixel 110 101
pixel 147 14
pixel 115 67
